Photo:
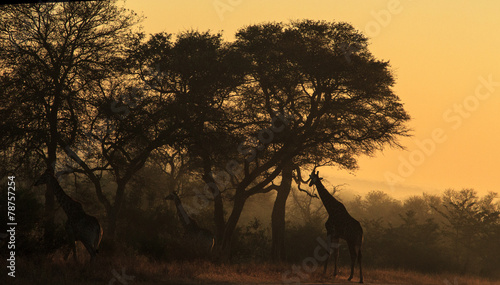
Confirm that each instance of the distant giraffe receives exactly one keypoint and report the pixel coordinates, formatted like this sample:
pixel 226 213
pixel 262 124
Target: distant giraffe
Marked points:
pixel 340 225
pixel 79 226
pixel 201 236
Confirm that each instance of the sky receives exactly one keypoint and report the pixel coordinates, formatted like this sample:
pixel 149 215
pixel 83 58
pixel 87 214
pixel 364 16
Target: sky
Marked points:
pixel 446 59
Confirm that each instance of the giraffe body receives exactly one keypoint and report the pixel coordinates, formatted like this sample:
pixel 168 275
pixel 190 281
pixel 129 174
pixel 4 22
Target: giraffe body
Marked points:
pixel 340 225
pixel 80 226
pixel 192 231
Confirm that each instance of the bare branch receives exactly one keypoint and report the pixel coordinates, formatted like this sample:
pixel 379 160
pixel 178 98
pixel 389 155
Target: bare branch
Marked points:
pixel 336 188
pixel 298 178
pixel 307 192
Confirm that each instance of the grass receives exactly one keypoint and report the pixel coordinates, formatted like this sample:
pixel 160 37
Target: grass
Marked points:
pixel 141 270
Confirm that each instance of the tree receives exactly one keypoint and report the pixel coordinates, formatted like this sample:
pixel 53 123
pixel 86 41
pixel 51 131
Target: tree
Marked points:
pixel 199 75
pixel 339 96
pixel 378 204
pixel 127 126
pixel 53 56
pixel 471 224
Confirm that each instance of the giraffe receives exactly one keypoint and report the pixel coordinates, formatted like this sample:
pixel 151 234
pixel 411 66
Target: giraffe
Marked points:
pixel 80 226
pixel 340 225
pixel 199 235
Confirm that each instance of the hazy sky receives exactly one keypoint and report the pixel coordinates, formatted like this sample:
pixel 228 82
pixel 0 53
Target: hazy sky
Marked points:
pixel 446 58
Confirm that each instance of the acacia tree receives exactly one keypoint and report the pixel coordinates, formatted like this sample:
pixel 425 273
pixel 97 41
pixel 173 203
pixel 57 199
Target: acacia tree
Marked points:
pixel 339 94
pixel 53 56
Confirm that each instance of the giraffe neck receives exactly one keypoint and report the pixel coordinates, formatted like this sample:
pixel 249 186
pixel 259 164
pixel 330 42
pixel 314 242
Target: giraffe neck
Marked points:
pixel 71 207
pixel 330 203
pixel 186 220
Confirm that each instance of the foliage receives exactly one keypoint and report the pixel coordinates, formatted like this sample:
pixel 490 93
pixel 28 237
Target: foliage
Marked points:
pixel 471 222
pixel 464 241
pixel 54 57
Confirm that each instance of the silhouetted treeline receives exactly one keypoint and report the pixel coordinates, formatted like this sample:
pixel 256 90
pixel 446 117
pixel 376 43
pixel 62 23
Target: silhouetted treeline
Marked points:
pixel 85 93
pixel 457 231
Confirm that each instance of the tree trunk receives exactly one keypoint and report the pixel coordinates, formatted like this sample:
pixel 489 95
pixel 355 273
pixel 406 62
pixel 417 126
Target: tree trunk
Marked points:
pixel 115 210
pixel 278 215
pixel 218 216
pixel 224 249
pixel 218 206
pixel 219 220
pixel 111 224
pixel 49 210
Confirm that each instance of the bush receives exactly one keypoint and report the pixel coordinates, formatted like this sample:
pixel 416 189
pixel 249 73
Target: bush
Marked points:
pixel 251 242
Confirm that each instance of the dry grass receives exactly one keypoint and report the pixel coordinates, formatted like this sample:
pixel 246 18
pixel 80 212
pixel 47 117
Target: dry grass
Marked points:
pixel 54 270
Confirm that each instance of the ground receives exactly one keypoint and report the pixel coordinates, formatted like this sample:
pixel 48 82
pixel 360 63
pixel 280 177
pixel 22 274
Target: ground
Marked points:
pixel 139 270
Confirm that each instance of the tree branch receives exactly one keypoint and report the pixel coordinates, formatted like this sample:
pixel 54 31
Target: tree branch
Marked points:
pixel 307 192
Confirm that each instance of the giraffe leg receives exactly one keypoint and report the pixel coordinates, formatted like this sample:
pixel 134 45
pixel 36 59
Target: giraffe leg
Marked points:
pixel 352 252
pixel 328 240
pixel 72 241
pixel 90 249
pixel 97 237
pixel 211 247
pixel 358 249
pixel 326 263
pixel 335 254
pixel 71 248
pixel 68 253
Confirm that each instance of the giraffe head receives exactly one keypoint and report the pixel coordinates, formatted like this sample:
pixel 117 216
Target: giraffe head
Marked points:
pixel 314 178
pixel 45 178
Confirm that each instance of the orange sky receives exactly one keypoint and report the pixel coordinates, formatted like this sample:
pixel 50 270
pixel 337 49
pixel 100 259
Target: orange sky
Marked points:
pixel 446 58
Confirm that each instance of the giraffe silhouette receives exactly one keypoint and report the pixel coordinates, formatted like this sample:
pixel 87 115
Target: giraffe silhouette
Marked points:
pixel 340 225
pixel 200 236
pixel 80 226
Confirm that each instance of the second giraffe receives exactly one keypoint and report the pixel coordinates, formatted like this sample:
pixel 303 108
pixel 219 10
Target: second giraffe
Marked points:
pixel 197 234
